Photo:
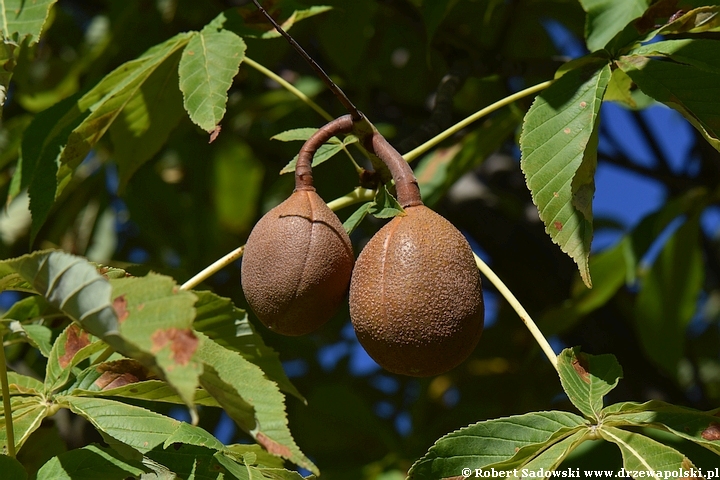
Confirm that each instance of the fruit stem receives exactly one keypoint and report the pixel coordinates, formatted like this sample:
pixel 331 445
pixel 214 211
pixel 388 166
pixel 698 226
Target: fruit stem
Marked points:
pixel 303 167
pixel 289 87
pixel 213 268
pixel 406 185
pixel 7 407
pixel 358 195
pixel 416 152
pixel 517 306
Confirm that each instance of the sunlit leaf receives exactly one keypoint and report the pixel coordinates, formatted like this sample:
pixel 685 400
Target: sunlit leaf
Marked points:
pixel 208 64
pixel 27 414
pixel 324 153
pixel 85 463
pixel 228 326
pixel 21 18
pixel 668 296
pixel 588 378
pixel 254 402
pixel 152 390
pixel 503 443
pixel 559 157
pixel 606 18
pixel 157 317
pixel 641 453
pixel 23 384
pixel 71 347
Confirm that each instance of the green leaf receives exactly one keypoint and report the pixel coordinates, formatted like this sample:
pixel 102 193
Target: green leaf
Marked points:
pixel 11 468
pixel 551 458
pixel 606 18
pixel 668 297
pixel 191 462
pixel 145 123
pixel 134 426
pixel 698 20
pixel 620 89
pixel 299 134
pixel 354 220
pixel 559 157
pixel 385 205
pixel 689 89
pixel 57 142
pixel 502 442
pixel 21 18
pixel 699 427
pixel 587 379
pixel 27 415
pixel 157 317
pixel 208 65
pixel 229 326
pixel 72 285
pixel 151 390
pixel 71 347
pixel 253 401
pixel 324 153
pixel 85 463
pixel 24 385
pixel 641 453
pixel 700 53
pixel 439 171
pixel 233 21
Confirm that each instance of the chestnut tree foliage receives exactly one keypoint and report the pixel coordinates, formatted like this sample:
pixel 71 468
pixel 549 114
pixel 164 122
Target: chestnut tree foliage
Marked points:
pixel 141 140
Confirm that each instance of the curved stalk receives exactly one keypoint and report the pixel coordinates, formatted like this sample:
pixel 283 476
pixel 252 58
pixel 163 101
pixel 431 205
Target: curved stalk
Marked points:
pixel 356 196
pixel 517 306
pixel 289 87
pixel 7 407
pixel 213 268
pixel 416 152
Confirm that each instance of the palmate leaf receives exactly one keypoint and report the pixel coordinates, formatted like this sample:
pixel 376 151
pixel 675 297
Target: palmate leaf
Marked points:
pixel 24 385
pixel 85 463
pixel 208 64
pixel 502 443
pixel 587 379
pixel 21 18
pixel 254 402
pixel 59 139
pixel 559 157
pixel 606 18
pixel 643 454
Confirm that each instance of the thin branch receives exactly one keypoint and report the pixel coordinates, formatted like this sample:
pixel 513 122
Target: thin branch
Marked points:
pixel 337 91
pixel 7 407
pixel 413 154
pixel 517 306
pixel 213 268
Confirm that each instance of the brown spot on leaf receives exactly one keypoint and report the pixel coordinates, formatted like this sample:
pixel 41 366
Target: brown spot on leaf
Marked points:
pixel 712 432
pixel 183 343
pixel 76 340
pixel 215 132
pixel 583 104
pixel 140 307
pixel 566 130
pixel 120 306
pixel 120 373
pixel 190 52
pixel 556 194
pixel 581 367
pixel 558 226
pixel 272 446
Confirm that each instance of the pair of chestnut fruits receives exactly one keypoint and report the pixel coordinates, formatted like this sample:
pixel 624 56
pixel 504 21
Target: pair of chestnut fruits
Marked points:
pixel 415 293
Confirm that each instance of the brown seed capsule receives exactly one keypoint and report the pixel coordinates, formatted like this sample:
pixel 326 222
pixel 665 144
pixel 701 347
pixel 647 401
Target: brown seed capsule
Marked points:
pixel 298 259
pixel 415 295
pixel 297 265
